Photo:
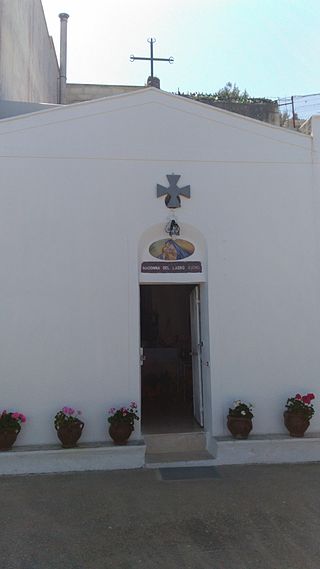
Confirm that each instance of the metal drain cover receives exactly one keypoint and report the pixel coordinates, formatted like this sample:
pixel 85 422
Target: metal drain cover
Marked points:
pixel 189 473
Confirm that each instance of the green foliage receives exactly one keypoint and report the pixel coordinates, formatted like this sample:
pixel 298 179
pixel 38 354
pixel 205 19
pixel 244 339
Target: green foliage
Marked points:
pixel 124 414
pixel 301 404
pixel 230 92
pixel 67 416
pixel 11 420
pixel 241 409
pixel 284 118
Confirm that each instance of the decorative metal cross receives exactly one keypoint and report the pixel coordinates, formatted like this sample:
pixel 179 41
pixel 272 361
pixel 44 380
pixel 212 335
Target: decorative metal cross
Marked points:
pixel 151 58
pixel 173 192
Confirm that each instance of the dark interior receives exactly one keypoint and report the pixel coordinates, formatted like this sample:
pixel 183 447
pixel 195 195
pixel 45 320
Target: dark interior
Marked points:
pixel 166 373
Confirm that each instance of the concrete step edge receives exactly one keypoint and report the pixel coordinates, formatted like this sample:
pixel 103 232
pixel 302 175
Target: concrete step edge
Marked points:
pixel 179 463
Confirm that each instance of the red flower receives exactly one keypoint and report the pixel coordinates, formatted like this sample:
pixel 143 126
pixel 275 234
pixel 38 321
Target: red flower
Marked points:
pixel 308 398
pixel 298 396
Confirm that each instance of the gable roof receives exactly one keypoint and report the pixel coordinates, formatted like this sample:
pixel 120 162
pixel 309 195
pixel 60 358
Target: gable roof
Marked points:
pixel 150 124
pixel 158 94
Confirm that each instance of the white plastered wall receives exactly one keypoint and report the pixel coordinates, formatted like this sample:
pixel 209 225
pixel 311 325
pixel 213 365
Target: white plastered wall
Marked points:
pixel 78 192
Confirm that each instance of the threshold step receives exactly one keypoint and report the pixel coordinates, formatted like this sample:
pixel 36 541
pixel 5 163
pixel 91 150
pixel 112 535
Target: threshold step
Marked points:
pixel 175 442
pixel 174 459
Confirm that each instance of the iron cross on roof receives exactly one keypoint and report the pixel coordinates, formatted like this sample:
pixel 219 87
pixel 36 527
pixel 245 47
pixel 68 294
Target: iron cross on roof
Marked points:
pixel 151 58
pixel 173 192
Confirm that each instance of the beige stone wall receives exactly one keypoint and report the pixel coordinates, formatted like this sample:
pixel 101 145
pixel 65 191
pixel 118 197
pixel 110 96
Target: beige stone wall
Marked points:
pixel 78 92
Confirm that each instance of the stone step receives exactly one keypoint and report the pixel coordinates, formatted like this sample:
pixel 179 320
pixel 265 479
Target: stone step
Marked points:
pixel 176 459
pixel 175 442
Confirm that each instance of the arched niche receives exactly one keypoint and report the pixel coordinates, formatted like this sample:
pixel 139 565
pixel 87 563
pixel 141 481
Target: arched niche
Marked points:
pixel 189 269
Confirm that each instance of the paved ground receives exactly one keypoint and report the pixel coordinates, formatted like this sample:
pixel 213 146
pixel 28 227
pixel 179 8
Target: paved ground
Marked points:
pixel 251 517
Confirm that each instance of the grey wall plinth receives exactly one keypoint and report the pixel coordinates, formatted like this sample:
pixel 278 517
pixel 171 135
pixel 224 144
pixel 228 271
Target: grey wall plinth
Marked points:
pixel 52 459
pixel 268 449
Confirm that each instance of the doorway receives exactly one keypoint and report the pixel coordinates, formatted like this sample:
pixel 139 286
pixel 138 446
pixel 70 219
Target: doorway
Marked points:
pixel 171 383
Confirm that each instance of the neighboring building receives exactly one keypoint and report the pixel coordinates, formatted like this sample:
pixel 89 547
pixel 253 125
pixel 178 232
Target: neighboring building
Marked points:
pixel 259 109
pixel 266 112
pixel 80 92
pixel 29 70
pixel 296 124
pixel 30 76
pixel 86 260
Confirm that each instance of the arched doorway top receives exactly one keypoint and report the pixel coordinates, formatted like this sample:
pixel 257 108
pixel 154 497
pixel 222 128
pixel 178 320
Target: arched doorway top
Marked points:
pixel 172 259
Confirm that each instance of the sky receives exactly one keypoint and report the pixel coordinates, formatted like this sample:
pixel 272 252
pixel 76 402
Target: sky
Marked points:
pixel 271 48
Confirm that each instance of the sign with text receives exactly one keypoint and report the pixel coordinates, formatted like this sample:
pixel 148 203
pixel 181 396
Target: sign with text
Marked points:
pixel 173 267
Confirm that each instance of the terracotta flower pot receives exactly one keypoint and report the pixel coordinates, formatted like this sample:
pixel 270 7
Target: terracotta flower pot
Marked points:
pixel 239 427
pixel 70 434
pixel 120 432
pixel 8 438
pixel 296 423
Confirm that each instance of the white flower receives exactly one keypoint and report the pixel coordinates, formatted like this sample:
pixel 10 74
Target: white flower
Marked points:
pixel 236 403
pixel 243 412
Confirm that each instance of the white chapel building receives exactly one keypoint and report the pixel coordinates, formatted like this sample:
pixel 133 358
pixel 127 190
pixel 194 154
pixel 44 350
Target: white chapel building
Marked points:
pixel 160 250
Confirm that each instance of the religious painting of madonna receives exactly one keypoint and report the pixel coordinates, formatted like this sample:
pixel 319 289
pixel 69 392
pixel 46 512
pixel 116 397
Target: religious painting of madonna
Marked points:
pixel 171 250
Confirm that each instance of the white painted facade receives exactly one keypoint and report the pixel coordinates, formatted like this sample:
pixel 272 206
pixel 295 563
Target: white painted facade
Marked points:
pixel 78 211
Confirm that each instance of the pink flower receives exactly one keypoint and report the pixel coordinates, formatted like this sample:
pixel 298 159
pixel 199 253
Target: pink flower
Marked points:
pixel 311 396
pixel 68 410
pixel 18 417
pixel 298 396
pixel 133 405
pixel 112 410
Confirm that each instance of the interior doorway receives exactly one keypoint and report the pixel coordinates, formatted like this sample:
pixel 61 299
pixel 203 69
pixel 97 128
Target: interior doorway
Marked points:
pixel 171 383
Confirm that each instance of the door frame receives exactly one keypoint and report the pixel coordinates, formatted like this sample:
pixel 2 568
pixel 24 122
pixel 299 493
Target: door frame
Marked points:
pixel 196 354
pixel 205 337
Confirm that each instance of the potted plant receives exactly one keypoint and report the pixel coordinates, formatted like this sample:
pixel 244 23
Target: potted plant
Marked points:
pixel 299 411
pixel 240 419
pixel 10 427
pixel 68 426
pixel 122 423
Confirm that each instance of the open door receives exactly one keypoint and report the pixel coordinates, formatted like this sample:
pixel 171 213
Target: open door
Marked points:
pixel 170 358
pixel 196 345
